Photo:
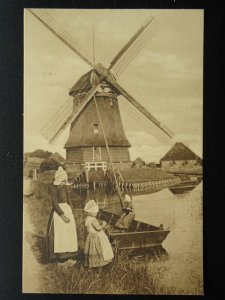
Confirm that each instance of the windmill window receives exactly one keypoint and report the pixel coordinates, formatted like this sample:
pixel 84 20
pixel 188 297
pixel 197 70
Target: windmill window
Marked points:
pixel 95 128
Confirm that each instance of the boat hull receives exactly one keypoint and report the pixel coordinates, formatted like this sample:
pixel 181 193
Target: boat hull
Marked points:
pixel 139 235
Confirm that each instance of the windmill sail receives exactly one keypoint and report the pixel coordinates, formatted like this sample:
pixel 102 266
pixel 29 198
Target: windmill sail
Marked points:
pixel 143 122
pixel 49 22
pixel 66 116
pixel 58 119
pixel 133 47
pixel 139 107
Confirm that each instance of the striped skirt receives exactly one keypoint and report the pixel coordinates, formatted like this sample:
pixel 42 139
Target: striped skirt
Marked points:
pixel 98 251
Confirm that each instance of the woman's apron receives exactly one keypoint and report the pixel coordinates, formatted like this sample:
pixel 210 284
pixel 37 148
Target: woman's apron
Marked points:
pixel 65 234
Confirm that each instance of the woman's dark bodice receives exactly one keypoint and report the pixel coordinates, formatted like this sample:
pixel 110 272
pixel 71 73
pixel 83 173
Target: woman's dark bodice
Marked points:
pixel 59 195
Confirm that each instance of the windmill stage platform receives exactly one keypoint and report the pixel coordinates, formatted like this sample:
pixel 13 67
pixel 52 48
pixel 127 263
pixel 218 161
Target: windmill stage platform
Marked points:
pixel 127 179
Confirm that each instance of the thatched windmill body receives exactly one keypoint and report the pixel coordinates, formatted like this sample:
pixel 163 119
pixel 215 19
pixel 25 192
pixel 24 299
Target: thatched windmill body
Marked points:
pixel 86 140
pixel 96 131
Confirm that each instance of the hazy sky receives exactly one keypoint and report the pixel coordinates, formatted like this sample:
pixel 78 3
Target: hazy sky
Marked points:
pixel 166 76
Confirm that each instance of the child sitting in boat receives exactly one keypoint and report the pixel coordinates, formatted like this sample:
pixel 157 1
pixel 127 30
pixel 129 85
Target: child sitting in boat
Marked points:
pixel 128 214
pixel 98 251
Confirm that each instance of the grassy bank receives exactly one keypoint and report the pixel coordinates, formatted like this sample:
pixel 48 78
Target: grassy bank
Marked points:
pixel 124 276
pixel 48 176
pixel 143 175
pixel 128 175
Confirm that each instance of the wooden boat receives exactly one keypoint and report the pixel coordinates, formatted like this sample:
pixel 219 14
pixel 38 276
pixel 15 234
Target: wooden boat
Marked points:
pixel 184 187
pixel 139 235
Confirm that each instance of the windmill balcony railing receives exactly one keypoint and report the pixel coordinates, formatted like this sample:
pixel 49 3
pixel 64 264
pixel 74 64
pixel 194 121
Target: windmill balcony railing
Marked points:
pixel 96 165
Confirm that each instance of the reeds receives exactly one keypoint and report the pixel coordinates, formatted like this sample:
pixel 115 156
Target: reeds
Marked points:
pixel 123 276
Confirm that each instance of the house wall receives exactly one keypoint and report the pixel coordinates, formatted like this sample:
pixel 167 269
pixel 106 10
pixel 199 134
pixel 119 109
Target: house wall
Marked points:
pixel 34 162
pixel 177 163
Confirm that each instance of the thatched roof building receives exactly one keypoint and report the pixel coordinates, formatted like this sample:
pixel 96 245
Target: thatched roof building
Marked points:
pixel 180 156
pixel 138 163
pixel 180 152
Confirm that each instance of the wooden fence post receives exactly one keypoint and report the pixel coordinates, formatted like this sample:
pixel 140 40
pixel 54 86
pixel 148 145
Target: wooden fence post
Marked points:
pixel 35 174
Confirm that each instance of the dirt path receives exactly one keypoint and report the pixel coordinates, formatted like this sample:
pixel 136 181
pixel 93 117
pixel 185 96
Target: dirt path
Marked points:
pixel 31 268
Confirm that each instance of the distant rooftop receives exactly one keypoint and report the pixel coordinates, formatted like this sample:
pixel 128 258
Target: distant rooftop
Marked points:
pixel 179 152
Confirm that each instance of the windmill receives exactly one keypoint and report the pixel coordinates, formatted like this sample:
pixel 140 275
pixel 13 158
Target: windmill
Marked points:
pixel 95 101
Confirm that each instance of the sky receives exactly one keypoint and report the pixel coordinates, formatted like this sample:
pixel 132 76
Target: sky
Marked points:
pixel 166 77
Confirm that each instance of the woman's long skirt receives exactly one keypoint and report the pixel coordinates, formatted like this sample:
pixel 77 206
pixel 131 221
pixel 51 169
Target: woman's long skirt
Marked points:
pixel 98 251
pixel 61 240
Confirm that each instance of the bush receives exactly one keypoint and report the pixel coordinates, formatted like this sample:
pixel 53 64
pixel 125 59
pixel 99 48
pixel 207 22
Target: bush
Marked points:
pixel 39 153
pixel 49 164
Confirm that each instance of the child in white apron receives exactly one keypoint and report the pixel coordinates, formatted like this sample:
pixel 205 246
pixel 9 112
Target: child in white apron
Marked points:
pixel 98 251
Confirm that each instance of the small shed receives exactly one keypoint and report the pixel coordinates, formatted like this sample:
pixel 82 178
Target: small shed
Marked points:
pixel 152 165
pixel 138 163
pixel 34 162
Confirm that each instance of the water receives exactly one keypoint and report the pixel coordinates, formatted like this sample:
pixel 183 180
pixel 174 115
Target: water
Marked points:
pixel 181 213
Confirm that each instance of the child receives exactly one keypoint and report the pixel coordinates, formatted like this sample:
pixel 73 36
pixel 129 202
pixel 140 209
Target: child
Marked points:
pixel 98 251
pixel 128 214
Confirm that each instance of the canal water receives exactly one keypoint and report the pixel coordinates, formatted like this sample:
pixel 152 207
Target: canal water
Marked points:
pixel 182 214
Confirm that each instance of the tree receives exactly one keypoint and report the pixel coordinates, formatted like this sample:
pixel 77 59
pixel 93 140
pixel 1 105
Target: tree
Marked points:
pixel 40 153
pixel 49 164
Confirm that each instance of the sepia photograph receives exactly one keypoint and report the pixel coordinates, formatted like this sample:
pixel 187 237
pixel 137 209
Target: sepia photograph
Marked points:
pixel 113 158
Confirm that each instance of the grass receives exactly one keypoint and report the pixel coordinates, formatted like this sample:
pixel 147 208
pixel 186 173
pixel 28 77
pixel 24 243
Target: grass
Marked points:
pixel 48 176
pixel 129 175
pixel 143 174
pixel 123 276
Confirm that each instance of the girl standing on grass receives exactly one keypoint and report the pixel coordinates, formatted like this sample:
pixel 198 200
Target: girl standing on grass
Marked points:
pixel 98 251
pixel 61 231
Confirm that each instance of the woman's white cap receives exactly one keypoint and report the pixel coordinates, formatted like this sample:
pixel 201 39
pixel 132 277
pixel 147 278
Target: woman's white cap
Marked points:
pixel 61 177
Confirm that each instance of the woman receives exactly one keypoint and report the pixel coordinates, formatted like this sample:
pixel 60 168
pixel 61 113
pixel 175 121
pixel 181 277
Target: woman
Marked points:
pixel 61 231
pixel 128 214
pixel 98 251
